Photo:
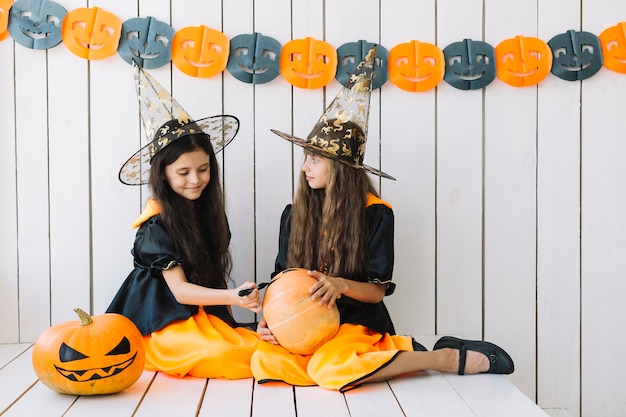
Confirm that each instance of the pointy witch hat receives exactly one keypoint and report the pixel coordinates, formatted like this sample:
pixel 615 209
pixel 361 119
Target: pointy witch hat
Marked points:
pixel 165 121
pixel 341 131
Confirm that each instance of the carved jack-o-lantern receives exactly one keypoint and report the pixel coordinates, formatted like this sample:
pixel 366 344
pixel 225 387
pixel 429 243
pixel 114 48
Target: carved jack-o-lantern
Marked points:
pixel 308 63
pixel 5 5
pixel 613 41
pixel 470 65
pixel 349 55
pixel 36 24
pixel 523 61
pixel 416 66
pixel 147 41
pixel 254 58
pixel 94 355
pixel 576 55
pixel 200 51
pixel 91 33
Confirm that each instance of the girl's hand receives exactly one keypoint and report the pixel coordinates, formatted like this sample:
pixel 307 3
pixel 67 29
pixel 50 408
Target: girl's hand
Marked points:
pixel 265 333
pixel 327 289
pixel 250 301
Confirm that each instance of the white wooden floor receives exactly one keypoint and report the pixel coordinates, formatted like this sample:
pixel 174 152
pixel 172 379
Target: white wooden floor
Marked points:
pixel 429 394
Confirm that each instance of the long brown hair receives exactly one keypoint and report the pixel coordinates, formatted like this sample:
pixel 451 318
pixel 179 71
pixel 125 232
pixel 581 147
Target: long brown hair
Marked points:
pixel 199 230
pixel 329 226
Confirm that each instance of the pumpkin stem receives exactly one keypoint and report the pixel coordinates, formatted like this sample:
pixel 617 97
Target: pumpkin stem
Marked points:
pixel 85 319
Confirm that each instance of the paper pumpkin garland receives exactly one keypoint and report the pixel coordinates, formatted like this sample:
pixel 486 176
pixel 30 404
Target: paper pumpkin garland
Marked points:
pixel 5 6
pixel 91 32
pixel 147 41
pixel 36 24
pixel 415 66
pixel 254 58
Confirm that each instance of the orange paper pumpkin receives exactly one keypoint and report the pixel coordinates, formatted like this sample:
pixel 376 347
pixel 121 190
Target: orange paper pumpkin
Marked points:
pixel 94 355
pixel 308 63
pixel 613 41
pixel 300 325
pixel 91 33
pixel 416 66
pixel 200 51
pixel 5 6
pixel 523 61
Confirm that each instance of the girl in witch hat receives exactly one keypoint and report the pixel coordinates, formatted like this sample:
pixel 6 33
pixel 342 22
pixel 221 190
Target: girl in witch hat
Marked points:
pixel 340 229
pixel 177 293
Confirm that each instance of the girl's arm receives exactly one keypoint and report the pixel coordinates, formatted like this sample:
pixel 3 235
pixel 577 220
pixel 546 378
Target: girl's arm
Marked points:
pixel 188 293
pixel 327 289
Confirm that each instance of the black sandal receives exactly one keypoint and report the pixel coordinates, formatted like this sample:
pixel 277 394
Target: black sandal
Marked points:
pixel 499 361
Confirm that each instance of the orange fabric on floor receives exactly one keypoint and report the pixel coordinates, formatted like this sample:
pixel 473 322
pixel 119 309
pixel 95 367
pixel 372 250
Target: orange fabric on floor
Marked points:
pixel 202 346
pixel 354 353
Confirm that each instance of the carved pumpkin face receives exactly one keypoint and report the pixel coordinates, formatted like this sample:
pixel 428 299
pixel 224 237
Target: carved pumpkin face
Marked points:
pixel 613 41
pixel 36 24
pixel 91 33
pixel 200 51
pixel 5 5
pixel 349 55
pixel 147 41
pixel 416 66
pixel 470 65
pixel 576 55
pixel 308 63
pixel 95 355
pixel 523 61
pixel 254 58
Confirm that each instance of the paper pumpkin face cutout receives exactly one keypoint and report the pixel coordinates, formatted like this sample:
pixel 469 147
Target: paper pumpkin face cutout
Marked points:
pixel 308 63
pixel 200 51
pixel 91 33
pixel 5 6
pixel 349 55
pixel 575 55
pixel 254 58
pixel 36 24
pixel 613 41
pixel 523 61
pixel 416 66
pixel 147 41
pixel 470 65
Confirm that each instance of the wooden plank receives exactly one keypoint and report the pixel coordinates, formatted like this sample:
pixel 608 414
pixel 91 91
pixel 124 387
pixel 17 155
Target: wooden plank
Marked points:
pixel 459 197
pixel 121 403
pixel 231 398
pixel 493 396
pixel 373 400
pixel 316 401
pixel 558 223
pixel 273 399
pixel 40 400
pixel 603 243
pixel 9 326
pixel 32 202
pixel 510 201
pixel 172 396
pixel 9 351
pixel 70 216
pixel 408 154
pixel 428 394
pixel 16 378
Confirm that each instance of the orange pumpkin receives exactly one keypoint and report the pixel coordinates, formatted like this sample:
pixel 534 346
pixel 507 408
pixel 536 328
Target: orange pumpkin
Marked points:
pixel 300 325
pixel 94 355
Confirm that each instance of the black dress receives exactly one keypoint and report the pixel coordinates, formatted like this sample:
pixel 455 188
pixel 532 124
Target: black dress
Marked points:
pixel 144 297
pixel 379 269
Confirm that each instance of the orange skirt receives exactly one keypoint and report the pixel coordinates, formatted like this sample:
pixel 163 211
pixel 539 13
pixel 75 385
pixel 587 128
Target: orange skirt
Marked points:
pixel 202 346
pixel 354 354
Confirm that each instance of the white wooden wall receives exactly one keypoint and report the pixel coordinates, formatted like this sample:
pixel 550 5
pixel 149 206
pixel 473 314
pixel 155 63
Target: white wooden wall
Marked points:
pixel 510 202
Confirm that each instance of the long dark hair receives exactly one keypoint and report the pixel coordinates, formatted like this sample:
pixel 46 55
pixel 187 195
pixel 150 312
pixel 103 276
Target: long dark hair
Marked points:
pixel 329 226
pixel 198 228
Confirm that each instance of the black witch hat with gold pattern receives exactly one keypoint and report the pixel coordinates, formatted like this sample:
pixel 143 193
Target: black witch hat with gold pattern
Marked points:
pixel 341 132
pixel 165 121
